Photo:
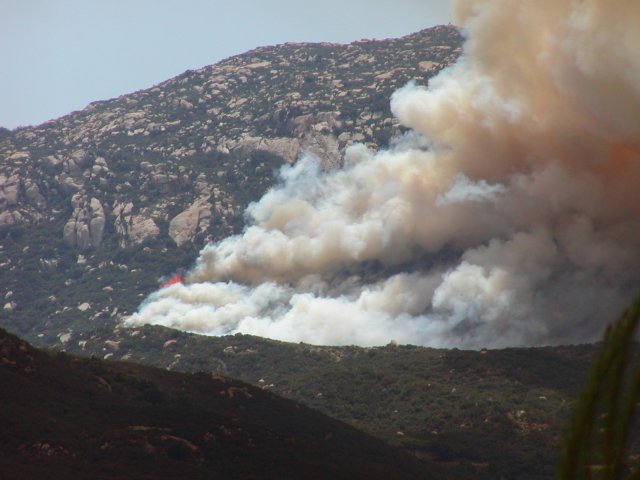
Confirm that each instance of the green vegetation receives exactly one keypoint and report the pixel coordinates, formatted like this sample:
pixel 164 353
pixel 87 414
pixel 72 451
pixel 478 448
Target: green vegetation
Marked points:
pixel 481 414
pixel 65 417
pixel 48 284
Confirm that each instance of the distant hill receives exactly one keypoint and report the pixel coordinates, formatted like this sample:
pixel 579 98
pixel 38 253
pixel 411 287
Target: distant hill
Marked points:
pixel 66 417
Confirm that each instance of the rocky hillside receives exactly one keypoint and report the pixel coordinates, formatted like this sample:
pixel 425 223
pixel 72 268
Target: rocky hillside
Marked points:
pixel 64 417
pixel 97 205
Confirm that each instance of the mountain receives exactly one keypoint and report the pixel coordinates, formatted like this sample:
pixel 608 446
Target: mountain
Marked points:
pixel 67 417
pixel 97 205
pixel 100 205
pixel 484 414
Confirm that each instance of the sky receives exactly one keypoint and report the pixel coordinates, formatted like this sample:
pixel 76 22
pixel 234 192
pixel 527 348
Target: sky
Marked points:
pixel 57 56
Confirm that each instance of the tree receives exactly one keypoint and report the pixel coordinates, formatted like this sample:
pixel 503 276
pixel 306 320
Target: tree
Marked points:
pixel 597 441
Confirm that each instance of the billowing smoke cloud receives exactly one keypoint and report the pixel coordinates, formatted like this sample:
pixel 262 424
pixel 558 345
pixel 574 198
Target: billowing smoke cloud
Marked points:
pixel 510 216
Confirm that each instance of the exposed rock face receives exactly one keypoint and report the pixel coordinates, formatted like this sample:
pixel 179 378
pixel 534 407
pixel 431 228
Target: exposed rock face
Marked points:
pixel 283 100
pixel 326 148
pixel 194 220
pixel 141 229
pixel 287 148
pixel 75 163
pixel 33 194
pixel 86 226
pixel 9 191
pixel 132 229
pixel 8 219
pixel 311 133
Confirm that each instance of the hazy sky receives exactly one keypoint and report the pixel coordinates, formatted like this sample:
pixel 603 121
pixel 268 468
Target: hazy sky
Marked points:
pixel 59 55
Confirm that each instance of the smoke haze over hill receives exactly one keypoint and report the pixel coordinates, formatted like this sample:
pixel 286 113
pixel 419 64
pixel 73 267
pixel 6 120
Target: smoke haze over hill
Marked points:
pixel 509 216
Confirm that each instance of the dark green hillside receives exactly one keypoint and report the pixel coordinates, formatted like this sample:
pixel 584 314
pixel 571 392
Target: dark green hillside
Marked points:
pixel 66 417
pixel 489 414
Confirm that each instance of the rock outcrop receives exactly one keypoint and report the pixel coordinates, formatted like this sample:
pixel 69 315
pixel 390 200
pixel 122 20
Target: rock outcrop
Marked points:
pixel 284 100
pixel 85 228
pixel 132 229
pixel 287 148
pixel 9 191
pixel 194 220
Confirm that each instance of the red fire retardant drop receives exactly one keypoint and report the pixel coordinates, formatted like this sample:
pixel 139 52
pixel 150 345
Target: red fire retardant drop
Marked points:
pixel 177 278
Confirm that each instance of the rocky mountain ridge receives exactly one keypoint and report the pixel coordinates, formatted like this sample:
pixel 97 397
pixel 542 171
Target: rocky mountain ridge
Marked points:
pixel 282 100
pixel 97 205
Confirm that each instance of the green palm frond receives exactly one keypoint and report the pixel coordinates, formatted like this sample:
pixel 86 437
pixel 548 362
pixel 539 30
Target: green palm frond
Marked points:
pixel 596 443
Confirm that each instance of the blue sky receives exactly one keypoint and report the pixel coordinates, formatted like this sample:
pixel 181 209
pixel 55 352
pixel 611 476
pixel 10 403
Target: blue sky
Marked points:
pixel 59 55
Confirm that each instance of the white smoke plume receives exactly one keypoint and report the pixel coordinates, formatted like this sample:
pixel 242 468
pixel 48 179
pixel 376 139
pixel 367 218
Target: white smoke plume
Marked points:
pixel 518 225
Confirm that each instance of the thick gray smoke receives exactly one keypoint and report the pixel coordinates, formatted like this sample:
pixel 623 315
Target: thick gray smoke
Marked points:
pixel 518 225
